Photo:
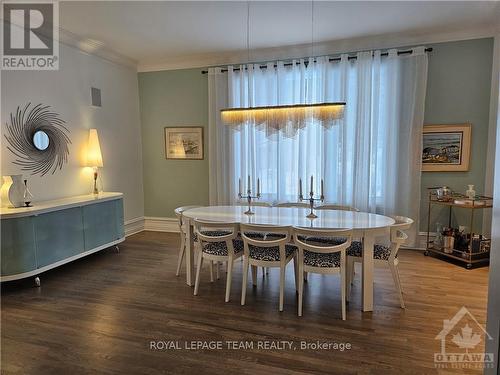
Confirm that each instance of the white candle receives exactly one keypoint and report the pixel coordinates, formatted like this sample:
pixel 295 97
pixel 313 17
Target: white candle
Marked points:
pixel 311 184
pixel 300 187
pixel 239 186
pixel 248 185
pixel 322 188
pixel 258 186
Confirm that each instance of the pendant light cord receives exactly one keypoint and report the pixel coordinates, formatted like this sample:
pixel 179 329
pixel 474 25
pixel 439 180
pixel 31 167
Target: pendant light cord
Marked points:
pixel 312 28
pixel 248 32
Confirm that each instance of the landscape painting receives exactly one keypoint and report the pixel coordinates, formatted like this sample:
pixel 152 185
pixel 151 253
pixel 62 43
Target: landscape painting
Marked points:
pixel 184 143
pixel 446 147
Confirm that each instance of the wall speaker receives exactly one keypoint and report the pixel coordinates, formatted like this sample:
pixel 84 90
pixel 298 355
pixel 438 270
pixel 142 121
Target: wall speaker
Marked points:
pixel 95 94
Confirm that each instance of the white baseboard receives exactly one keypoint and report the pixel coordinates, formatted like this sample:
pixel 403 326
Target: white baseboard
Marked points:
pixel 161 224
pixel 134 226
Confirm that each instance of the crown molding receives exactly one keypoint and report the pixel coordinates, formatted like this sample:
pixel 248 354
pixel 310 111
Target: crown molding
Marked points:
pixel 383 41
pixel 96 48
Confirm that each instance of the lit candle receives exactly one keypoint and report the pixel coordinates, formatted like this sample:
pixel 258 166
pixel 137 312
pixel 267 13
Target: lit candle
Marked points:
pixel 248 185
pixel 312 185
pixel 300 187
pixel 239 186
pixel 258 186
pixel 322 188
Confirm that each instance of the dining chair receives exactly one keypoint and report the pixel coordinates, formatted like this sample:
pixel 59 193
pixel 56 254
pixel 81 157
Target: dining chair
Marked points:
pixel 272 250
pixel 182 230
pixel 382 255
pixel 217 248
pixel 292 204
pixel 322 257
pixel 336 207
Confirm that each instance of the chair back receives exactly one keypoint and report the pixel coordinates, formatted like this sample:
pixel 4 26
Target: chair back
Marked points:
pixel 336 207
pixel 203 228
pixel 301 234
pixel 398 236
pixel 267 240
pixel 292 204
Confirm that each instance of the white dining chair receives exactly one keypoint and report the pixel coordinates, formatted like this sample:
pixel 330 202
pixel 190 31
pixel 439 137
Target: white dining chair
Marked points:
pixel 292 204
pixel 382 255
pixel 217 248
pixel 336 207
pixel 322 258
pixel 182 230
pixel 272 250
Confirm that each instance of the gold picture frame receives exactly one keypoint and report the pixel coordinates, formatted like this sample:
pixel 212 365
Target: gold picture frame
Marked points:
pixel 184 143
pixel 446 148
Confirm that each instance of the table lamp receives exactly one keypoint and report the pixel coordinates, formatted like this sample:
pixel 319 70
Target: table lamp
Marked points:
pixel 94 156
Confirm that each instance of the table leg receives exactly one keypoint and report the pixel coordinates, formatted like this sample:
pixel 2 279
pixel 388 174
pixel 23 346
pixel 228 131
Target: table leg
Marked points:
pixel 189 254
pixel 367 288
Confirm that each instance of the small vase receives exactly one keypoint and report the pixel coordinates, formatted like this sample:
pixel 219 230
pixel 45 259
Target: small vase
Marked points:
pixel 13 191
pixel 27 196
pixel 471 193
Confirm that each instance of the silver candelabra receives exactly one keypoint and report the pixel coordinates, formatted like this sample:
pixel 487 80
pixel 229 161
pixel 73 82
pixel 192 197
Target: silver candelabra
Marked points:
pixel 311 198
pixel 249 195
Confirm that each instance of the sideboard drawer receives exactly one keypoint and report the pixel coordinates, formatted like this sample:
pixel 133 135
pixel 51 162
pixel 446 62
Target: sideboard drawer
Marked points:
pixel 101 223
pixel 59 235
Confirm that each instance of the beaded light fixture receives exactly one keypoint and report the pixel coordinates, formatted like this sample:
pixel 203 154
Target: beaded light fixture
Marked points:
pixel 285 118
pixel 282 117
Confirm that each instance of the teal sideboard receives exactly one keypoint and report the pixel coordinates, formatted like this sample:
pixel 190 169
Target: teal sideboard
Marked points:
pixel 52 233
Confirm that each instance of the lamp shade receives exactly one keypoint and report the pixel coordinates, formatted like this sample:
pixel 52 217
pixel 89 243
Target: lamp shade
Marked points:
pixel 94 156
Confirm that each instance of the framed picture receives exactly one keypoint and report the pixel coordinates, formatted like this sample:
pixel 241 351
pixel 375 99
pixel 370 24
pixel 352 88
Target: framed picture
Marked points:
pixel 184 143
pixel 446 148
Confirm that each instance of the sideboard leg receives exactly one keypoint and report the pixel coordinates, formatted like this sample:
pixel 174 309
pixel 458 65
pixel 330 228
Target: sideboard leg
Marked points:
pixel 37 281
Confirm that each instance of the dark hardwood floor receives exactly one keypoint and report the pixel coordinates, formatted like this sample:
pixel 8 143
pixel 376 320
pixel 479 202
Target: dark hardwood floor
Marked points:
pixel 99 315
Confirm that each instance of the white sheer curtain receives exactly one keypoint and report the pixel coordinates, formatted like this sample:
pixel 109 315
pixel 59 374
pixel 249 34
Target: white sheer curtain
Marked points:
pixel 370 160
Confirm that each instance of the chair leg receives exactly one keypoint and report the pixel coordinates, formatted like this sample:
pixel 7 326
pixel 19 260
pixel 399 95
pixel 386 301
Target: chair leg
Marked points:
pixel 397 283
pixel 305 276
pixel 301 287
pixel 211 271
pixel 229 268
pixel 350 262
pixel 254 275
pixel 245 280
pixel 217 270
pixel 282 284
pixel 352 271
pixel 198 269
pixel 182 250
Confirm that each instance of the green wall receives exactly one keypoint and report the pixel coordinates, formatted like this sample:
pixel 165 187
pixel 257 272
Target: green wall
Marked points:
pixel 458 91
pixel 172 98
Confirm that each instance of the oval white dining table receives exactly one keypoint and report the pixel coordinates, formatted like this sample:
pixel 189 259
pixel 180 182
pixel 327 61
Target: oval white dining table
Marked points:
pixel 364 225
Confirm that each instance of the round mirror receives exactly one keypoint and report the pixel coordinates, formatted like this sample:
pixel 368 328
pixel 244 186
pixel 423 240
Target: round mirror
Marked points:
pixel 41 140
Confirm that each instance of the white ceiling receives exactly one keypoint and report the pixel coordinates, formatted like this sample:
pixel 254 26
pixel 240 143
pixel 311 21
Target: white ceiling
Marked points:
pixel 161 34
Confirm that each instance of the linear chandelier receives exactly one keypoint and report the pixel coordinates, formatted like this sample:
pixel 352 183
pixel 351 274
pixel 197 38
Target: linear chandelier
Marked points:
pixel 285 118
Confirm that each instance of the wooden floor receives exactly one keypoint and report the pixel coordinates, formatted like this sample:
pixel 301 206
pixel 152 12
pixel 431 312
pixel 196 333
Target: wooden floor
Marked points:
pixel 99 315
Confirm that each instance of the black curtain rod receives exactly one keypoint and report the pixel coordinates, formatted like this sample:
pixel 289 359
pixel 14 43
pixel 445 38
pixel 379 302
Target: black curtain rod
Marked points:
pixel 407 52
